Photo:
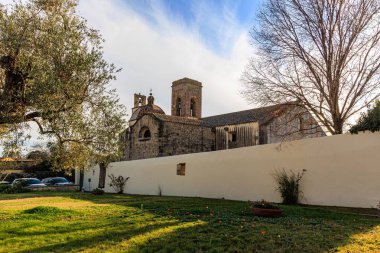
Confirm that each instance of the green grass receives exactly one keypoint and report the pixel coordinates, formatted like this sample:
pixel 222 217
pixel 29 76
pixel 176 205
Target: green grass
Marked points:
pixel 77 222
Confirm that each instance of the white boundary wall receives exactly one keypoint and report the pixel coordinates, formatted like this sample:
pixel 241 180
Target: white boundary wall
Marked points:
pixel 342 170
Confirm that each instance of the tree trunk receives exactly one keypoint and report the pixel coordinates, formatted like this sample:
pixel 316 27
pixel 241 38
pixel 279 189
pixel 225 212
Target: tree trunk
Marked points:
pixel 12 97
pixel 338 126
pixel 102 175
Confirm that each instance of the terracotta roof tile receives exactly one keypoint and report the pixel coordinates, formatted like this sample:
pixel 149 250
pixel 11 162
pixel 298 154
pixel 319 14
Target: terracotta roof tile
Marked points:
pixel 262 115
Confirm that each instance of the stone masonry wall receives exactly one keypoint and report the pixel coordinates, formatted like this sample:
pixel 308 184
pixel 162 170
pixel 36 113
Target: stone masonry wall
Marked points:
pixel 138 148
pixel 185 138
pixel 296 124
pixel 186 92
pixel 167 138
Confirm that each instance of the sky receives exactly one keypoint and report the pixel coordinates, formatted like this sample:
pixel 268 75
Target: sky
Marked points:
pixel 156 42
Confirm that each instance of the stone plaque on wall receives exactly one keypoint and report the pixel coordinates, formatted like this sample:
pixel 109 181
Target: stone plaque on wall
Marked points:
pixel 181 167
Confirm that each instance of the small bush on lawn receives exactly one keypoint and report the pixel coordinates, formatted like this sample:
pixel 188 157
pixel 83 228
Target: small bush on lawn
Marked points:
pixel 46 210
pixel 263 204
pixel 118 183
pixel 3 187
pixel 17 187
pixel 98 191
pixel 289 186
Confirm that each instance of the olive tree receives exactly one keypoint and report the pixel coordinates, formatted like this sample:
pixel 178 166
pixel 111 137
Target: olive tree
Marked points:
pixel 52 74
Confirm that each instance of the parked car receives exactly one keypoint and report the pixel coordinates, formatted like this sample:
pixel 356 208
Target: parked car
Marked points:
pixel 56 181
pixel 29 182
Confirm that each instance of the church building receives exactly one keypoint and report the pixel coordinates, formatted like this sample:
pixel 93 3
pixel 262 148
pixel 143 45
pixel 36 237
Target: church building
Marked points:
pixel 152 133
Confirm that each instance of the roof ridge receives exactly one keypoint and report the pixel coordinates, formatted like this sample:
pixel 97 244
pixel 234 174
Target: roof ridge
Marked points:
pixel 253 109
pixel 261 114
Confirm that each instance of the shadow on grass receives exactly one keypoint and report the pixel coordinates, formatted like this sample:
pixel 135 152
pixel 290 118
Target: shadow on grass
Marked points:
pixel 114 235
pixel 209 225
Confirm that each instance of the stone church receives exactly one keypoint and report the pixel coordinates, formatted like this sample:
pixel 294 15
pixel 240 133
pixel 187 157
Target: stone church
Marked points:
pixel 152 133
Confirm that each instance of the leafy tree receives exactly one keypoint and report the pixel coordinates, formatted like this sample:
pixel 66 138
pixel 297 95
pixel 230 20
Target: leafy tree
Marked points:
pixel 52 74
pixel 38 155
pixel 11 144
pixel 369 121
pixel 323 54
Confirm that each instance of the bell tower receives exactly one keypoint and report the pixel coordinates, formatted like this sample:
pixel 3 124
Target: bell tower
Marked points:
pixel 187 98
pixel 139 100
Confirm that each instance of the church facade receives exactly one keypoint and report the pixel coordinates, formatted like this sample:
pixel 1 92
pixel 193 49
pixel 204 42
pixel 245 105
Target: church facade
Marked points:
pixel 152 133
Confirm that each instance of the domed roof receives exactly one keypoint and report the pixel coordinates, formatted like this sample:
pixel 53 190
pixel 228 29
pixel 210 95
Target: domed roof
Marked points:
pixel 150 108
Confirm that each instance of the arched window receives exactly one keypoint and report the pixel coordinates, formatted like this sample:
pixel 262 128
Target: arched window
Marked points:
pixel 179 107
pixel 144 134
pixel 192 107
pixel 147 134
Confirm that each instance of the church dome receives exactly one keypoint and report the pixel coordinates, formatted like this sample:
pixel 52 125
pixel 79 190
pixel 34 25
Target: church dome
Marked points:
pixel 145 109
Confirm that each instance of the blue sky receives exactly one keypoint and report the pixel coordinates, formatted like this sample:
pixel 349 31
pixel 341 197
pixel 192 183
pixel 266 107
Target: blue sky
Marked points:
pixel 212 19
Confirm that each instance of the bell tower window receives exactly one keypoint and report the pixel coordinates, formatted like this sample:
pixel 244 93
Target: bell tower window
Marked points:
pixel 179 107
pixel 193 108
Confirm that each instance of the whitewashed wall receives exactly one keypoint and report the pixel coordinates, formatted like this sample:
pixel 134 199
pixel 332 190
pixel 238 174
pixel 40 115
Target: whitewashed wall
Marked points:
pixel 342 170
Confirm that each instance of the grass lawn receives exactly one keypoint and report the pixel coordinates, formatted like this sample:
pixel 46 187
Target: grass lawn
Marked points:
pixel 77 222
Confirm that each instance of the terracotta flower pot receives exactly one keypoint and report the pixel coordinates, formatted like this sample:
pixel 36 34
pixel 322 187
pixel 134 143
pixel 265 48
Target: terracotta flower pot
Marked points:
pixel 264 212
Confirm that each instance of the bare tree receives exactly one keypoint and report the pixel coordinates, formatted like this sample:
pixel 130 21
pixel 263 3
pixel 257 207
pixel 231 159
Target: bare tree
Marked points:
pixel 324 54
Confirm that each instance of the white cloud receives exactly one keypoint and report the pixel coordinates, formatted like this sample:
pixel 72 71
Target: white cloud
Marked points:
pixel 152 56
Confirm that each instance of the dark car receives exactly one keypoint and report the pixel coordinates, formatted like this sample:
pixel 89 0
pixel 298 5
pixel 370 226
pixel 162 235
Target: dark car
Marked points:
pixel 56 181
pixel 29 182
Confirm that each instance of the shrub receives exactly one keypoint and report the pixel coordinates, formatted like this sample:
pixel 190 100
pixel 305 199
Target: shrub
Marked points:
pixel 3 187
pixel 289 185
pixel 118 183
pixel 46 210
pixel 17 187
pixel 159 191
pixel 263 204
pixel 98 191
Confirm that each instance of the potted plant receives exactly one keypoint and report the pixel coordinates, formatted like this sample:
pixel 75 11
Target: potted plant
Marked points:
pixel 97 191
pixel 265 209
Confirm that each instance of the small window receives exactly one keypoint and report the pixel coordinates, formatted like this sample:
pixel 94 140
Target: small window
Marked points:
pixel 301 125
pixel 144 134
pixel 192 108
pixel 232 136
pixel 179 107
pixel 147 134
pixel 181 167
